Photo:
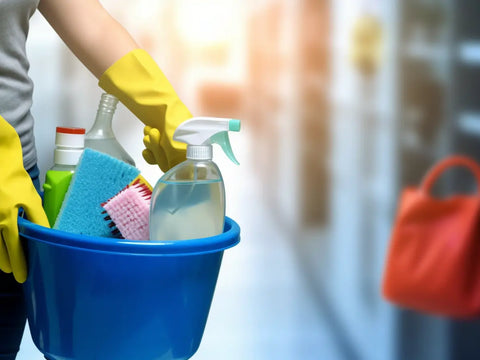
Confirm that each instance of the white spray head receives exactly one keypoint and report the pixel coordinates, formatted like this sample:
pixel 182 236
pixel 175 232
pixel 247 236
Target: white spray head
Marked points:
pixel 199 133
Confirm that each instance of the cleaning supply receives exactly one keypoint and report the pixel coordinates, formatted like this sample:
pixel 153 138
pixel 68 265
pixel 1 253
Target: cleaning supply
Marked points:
pixel 98 177
pixel 188 201
pixel 140 179
pixel 69 144
pixel 128 212
pixel 101 136
pixel 91 298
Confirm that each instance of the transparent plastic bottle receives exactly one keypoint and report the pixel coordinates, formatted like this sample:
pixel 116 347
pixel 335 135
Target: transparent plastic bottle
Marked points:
pixel 188 202
pixel 101 136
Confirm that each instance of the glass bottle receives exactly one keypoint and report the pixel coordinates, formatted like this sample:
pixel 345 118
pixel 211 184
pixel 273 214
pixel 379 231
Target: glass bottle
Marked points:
pixel 101 137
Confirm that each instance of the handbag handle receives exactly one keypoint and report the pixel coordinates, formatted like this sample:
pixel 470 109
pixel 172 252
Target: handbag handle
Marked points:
pixel 455 160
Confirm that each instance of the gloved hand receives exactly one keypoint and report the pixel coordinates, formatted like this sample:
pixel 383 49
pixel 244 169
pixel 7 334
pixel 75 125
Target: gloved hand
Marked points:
pixel 16 191
pixel 153 153
pixel 137 81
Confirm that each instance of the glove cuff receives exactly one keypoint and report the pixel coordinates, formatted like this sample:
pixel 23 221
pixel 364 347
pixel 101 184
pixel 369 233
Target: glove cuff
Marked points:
pixel 137 81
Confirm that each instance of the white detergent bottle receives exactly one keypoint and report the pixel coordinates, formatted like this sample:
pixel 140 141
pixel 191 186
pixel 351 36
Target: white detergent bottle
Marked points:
pixel 188 202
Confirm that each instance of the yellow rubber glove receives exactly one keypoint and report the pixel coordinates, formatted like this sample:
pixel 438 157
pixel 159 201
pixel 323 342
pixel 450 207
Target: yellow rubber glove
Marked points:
pixel 137 81
pixel 16 191
pixel 153 153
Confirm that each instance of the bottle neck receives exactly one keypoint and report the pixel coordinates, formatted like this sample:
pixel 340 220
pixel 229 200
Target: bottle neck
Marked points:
pixel 103 121
pixel 199 152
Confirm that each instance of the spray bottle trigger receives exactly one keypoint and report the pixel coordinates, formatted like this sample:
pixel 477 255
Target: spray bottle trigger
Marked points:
pixel 222 139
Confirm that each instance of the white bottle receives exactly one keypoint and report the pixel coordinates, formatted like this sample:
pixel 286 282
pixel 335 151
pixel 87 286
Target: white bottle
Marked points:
pixel 69 144
pixel 188 202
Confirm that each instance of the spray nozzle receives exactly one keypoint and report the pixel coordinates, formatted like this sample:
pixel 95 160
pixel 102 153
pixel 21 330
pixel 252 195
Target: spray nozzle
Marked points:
pixel 204 131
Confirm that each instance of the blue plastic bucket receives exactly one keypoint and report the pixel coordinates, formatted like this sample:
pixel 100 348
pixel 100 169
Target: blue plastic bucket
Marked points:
pixel 95 298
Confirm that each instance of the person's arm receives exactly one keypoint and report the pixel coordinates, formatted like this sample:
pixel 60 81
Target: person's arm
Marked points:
pixel 90 32
pixel 123 70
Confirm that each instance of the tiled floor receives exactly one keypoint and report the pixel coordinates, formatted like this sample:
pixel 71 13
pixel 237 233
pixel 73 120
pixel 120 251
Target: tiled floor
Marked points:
pixel 262 308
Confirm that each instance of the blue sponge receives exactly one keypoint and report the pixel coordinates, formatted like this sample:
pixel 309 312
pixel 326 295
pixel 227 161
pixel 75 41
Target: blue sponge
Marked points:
pixel 97 178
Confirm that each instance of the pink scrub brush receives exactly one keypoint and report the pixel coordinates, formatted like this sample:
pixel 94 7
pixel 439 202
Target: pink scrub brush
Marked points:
pixel 128 212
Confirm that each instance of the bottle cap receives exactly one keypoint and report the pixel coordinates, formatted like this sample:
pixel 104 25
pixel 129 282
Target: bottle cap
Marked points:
pixel 70 137
pixel 199 152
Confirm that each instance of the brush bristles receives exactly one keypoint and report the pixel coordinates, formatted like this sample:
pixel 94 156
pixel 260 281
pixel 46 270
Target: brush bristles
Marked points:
pixel 111 224
pixel 142 188
pixel 128 211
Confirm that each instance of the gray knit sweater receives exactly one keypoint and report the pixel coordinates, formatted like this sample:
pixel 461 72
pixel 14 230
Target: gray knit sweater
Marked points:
pixel 16 87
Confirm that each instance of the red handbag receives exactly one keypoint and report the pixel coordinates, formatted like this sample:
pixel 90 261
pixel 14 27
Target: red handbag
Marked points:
pixel 433 260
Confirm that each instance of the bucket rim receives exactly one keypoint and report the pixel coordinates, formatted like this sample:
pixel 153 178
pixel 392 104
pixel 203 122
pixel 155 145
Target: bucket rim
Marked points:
pixel 229 238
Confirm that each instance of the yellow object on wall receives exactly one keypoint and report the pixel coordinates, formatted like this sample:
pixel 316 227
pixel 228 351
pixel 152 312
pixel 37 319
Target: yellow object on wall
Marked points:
pixel 366 44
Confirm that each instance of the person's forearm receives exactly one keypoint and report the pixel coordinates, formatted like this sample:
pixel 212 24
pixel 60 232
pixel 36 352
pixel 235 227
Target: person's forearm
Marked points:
pixel 95 37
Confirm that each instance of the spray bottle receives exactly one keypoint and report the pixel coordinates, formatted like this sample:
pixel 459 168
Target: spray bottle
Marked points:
pixel 188 201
